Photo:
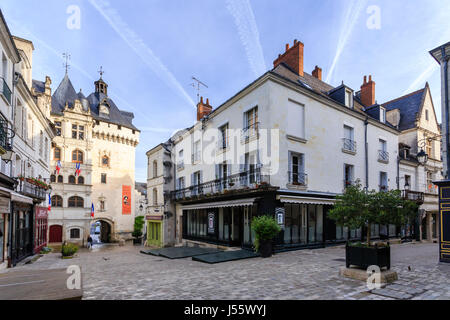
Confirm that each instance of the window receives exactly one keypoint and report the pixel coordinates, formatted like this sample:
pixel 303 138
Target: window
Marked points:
pixel 80 180
pixel 296 120
pixel 348 99
pixel 349 142
pixel 155 197
pixel 223 137
pixel 77 132
pixel 407 181
pixel 429 147
pixel 76 202
pixel 180 163
pixel 251 118
pixel 383 181
pixel 426 115
pixel 46 149
pixel 383 155
pixel 103 178
pixel 297 169
pixel 348 175
pixel 57 153
pixel 196 152
pixel 60 179
pixel 58 128
pixel 77 156
pixel 41 143
pixel 105 161
pixel 181 183
pixel 57 201
pixel 155 169
pixel 382 114
pixel 72 179
pixel 74 233
pixel 52 178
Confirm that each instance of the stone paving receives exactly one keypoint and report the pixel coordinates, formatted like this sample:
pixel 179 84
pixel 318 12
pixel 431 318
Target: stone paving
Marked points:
pixel 114 272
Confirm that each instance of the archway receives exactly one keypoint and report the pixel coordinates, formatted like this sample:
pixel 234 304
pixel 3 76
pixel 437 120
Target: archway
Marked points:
pixel 101 232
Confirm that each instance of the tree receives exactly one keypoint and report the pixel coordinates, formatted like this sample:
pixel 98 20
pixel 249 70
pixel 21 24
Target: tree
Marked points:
pixel 358 208
pixel 138 225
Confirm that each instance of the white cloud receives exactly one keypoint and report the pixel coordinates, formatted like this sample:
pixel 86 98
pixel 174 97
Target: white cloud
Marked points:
pixel 138 45
pixel 245 21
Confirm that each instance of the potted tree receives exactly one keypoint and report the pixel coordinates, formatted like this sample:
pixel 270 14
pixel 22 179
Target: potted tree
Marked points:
pixel 137 233
pixel 358 208
pixel 266 228
pixel 68 250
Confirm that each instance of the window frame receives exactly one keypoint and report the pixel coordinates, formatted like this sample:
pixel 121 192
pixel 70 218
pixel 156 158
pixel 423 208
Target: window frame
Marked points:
pixel 75 202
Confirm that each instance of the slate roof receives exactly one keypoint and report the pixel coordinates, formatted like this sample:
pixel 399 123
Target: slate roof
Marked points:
pixel 39 86
pixel 66 93
pixel 409 107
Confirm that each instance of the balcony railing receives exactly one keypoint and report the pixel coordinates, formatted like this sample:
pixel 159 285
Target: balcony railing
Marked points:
pixel 416 196
pixel 30 190
pixel 6 136
pixel 250 132
pixel 349 145
pixel 298 178
pixel 5 90
pixel 244 180
pixel 383 156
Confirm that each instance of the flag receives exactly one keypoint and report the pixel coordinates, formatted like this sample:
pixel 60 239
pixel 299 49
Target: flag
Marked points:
pixel 49 202
pixel 58 166
pixel 77 169
pixel 92 210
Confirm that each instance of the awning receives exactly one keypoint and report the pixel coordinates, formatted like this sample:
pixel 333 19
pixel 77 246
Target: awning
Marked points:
pixel 305 200
pixel 20 198
pixel 221 204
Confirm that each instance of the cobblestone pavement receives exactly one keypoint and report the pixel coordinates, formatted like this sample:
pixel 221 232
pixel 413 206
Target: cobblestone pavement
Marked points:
pixel 115 272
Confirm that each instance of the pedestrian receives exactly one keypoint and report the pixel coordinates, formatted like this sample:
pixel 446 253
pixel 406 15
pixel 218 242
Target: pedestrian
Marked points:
pixel 89 240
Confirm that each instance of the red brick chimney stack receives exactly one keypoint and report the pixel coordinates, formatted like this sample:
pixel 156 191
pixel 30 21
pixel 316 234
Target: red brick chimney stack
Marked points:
pixel 293 57
pixel 368 92
pixel 317 73
pixel 203 109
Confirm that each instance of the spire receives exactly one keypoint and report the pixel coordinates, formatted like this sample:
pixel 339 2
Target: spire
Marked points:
pixel 100 85
pixel 66 64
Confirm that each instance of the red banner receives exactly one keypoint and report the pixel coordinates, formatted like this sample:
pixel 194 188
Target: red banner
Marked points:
pixel 126 199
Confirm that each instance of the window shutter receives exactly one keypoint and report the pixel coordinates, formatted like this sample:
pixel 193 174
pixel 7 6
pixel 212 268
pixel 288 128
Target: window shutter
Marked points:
pixel 217 167
pixel 242 163
pixel 228 169
pixel 192 179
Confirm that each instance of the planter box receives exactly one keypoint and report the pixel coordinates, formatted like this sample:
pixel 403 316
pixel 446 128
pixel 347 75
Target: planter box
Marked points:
pixel 265 249
pixel 364 257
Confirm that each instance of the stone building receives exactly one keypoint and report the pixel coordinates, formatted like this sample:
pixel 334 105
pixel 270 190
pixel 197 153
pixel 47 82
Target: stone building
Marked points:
pixel 93 163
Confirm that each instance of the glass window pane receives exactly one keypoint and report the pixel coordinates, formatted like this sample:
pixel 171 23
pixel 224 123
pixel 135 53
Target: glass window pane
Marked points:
pixel 311 223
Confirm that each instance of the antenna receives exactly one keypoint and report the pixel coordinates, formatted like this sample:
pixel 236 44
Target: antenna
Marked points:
pixel 101 72
pixel 67 57
pixel 198 82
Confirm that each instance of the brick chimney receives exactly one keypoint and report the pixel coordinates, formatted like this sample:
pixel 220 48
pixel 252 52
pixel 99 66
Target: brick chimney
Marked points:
pixel 203 109
pixel 293 57
pixel 368 92
pixel 317 73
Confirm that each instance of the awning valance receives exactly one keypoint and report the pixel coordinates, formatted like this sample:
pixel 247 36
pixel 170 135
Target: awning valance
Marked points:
pixel 305 200
pixel 221 204
pixel 20 198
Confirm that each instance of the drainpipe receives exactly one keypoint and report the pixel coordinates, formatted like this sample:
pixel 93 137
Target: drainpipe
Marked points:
pixel 447 135
pixel 398 172
pixel 366 150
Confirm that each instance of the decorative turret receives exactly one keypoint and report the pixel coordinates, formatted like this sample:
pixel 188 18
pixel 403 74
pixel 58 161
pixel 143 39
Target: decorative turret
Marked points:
pixel 100 85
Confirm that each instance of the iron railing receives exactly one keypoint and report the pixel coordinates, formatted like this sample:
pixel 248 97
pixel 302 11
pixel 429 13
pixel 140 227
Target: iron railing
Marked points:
pixel 413 196
pixel 243 180
pixel 30 190
pixel 5 90
pixel 250 132
pixel 298 178
pixel 349 145
pixel 383 156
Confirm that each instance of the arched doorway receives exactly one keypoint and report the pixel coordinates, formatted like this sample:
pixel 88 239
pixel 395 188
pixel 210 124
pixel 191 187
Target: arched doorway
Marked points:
pixel 55 234
pixel 101 232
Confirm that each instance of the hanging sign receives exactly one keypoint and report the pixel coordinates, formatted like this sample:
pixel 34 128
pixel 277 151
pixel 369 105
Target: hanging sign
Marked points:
pixel 211 217
pixel 126 199
pixel 279 213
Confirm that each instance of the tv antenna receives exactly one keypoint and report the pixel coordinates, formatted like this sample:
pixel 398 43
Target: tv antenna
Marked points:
pixel 198 83
pixel 66 64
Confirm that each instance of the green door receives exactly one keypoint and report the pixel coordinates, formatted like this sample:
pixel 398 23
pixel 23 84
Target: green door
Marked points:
pixel 154 233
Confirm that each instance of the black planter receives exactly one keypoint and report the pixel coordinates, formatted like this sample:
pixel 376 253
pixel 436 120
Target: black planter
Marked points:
pixel 364 257
pixel 265 248
pixel 137 240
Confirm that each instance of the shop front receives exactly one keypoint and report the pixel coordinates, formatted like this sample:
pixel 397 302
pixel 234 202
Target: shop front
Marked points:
pixel 22 228
pixel 4 215
pixel 40 228
pixel 155 231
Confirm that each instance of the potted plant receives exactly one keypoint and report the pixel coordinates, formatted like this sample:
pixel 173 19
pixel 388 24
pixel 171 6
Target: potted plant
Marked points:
pixel 266 229
pixel 68 250
pixel 358 208
pixel 137 233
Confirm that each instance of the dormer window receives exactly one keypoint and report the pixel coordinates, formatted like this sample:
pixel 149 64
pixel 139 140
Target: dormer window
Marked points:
pixel 382 115
pixel 348 99
pixel 104 110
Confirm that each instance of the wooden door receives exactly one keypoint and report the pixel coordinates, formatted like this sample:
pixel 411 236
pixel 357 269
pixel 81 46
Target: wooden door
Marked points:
pixel 55 234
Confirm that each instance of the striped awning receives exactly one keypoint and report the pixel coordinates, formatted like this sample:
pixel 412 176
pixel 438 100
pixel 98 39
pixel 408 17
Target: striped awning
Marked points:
pixel 305 200
pixel 221 204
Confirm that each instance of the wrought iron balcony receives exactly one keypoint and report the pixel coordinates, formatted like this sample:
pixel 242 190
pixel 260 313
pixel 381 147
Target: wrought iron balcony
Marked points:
pixel 348 145
pixel 250 132
pixel 416 196
pixel 5 90
pixel 31 190
pixel 6 135
pixel 298 178
pixel 383 156
pixel 240 181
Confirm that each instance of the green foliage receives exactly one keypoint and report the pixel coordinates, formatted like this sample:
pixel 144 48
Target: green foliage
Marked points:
pixel 265 228
pixel 138 226
pixel 45 250
pixel 358 208
pixel 69 249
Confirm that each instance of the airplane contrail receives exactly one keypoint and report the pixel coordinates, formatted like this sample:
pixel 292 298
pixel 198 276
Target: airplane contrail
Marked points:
pixel 245 22
pixel 350 19
pixel 138 45
pixel 433 67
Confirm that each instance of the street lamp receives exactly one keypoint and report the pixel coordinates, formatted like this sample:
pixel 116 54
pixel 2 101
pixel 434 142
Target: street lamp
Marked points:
pixel 422 157
pixel 407 186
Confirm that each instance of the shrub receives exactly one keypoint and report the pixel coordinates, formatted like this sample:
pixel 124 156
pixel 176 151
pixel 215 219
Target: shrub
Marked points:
pixel 69 249
pixel 138 225
pixel 266 228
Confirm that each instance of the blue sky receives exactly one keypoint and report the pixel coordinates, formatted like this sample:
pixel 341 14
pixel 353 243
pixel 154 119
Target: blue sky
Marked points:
pixel 150 49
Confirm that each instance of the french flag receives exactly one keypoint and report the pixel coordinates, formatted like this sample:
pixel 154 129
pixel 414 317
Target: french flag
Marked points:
pixel 49 202
pixel 58 166
pixel 77 169
pixel 92 210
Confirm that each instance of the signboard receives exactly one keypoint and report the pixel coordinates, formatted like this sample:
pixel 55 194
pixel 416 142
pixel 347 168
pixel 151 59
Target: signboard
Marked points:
pixel 211 223
pixel 153 217
pixel 41 213
pixel 279 213
pixel 126 199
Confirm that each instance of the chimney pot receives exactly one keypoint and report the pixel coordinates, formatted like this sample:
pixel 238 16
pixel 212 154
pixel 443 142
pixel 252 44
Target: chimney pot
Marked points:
pixel 293 57
pixel 203 109
pixel 317 73
pixel 368 92
pixel 370 78
pixel 287 46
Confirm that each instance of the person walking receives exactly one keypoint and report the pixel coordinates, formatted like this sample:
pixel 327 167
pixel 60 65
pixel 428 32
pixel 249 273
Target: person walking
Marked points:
pixel 89 240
